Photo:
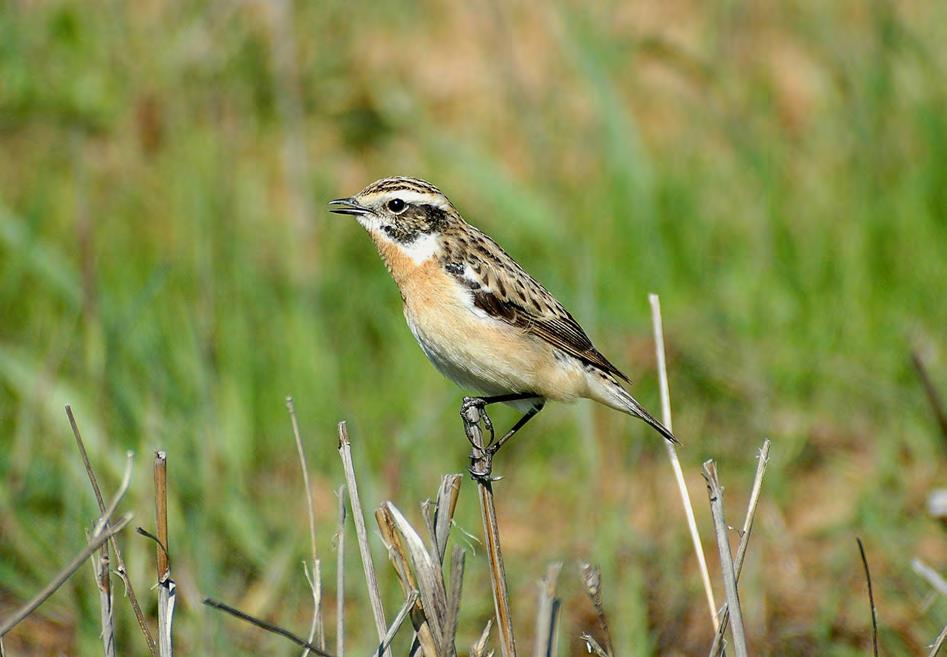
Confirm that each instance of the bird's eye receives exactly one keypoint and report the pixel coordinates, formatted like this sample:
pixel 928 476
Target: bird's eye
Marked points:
pixel 396 205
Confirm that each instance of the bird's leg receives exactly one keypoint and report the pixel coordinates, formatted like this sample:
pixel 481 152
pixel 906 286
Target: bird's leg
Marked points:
pixel 480 403
pixel 472 411
pixel 495 446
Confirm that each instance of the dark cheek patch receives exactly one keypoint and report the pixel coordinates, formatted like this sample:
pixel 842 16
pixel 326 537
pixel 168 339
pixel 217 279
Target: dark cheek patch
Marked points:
pixel 400 234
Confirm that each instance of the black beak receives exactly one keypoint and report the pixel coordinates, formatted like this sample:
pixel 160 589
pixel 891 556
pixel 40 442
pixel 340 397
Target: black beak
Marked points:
pixel 347 206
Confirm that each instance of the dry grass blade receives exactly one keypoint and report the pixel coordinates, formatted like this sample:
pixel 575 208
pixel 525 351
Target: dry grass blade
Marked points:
pixel 761 464
pixel 378 612
pixel 871 599
pixel 166 586
pixel 340 577
pixel 715 493
pixel 660 353
pixel 933 396
pixel 592 582
pixel 547 612
pixel 398 554
pixel 119 561
pixel 929 575
pixel 458 557
pixel 103 581
pixel 59 579
pixel 396 624
pixel 428 575
pixel 479 648
pixel 102 575
pixel 316 634
pixel 938 643
pixel 447 496
pixel 491 532
pixel 593 646
pixel 264 625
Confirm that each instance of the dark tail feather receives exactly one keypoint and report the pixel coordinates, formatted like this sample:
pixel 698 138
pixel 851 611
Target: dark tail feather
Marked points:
pixel 636 409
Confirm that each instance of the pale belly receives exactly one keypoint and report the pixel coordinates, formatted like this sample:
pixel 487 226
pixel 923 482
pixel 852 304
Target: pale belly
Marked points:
pixel 487 355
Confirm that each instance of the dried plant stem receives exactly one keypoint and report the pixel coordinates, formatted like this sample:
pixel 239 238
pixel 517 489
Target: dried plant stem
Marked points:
pixel 658 327
pixel 871 599
pixel 482 462
pixel 424 614
pixel 479 648
pixel 340 577
pixel 396 624
pixel 592 582
pixel 166 586
pixel 933 396
pixel 715 492
pixel 98 539
pixel 101 567
pixel 547 613
pixel 938 643
pixel 591 645
pixel 378 612
pixel 316 633
pixel 456 589
pixel 930 575
pixel 119 561
pixel 761 463
pixel 264 625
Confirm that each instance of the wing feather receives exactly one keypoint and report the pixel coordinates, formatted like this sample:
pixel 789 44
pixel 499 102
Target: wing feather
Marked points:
pixel 504 290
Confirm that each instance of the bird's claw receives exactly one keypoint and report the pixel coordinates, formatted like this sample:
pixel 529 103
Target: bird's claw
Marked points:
pixel 480 404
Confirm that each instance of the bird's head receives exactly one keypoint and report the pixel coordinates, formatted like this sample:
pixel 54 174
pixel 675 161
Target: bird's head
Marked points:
pixel 404 214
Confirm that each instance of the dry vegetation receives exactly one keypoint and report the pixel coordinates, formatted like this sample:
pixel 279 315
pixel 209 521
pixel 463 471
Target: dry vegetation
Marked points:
pixel 775 170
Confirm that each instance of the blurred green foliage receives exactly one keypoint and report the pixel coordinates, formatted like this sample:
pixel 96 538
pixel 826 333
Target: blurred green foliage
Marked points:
pixel 777 172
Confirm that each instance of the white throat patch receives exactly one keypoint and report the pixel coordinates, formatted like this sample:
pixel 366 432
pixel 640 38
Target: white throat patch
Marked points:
pixel 422 249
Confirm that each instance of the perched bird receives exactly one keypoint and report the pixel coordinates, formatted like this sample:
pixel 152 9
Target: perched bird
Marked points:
pixel 479 317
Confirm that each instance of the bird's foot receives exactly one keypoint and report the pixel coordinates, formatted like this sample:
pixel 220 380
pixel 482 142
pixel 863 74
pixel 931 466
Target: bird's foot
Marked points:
pixel 473 410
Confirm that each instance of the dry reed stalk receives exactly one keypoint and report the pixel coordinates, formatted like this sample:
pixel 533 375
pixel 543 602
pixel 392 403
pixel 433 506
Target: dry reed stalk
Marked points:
pixel 316 633
pixel 938 643
pixel 457 560
pixel 101 533
pixel 592 582
pixel 417 572
pixel 658 327
pixel 481 463
pixel 340 577
pixel 438 524
pixel 166 585
pixel 715 493
pixel 103 579
pixel 378 612
pixel 479 648
pixel 547 613
pixel 119 561
pixel 591 645
pixel 929 575
pixel 761 463
pixel 396 624
pixel 871 599
pixel 933 396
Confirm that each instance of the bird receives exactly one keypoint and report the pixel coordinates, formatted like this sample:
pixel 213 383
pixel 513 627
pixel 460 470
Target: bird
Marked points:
pixel 479 317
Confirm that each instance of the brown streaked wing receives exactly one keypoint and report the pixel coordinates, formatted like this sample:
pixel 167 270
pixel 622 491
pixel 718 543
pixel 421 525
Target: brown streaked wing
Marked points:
pixel 507 292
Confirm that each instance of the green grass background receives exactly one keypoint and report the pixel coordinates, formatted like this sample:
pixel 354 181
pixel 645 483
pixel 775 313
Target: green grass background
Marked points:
pixel 777 172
